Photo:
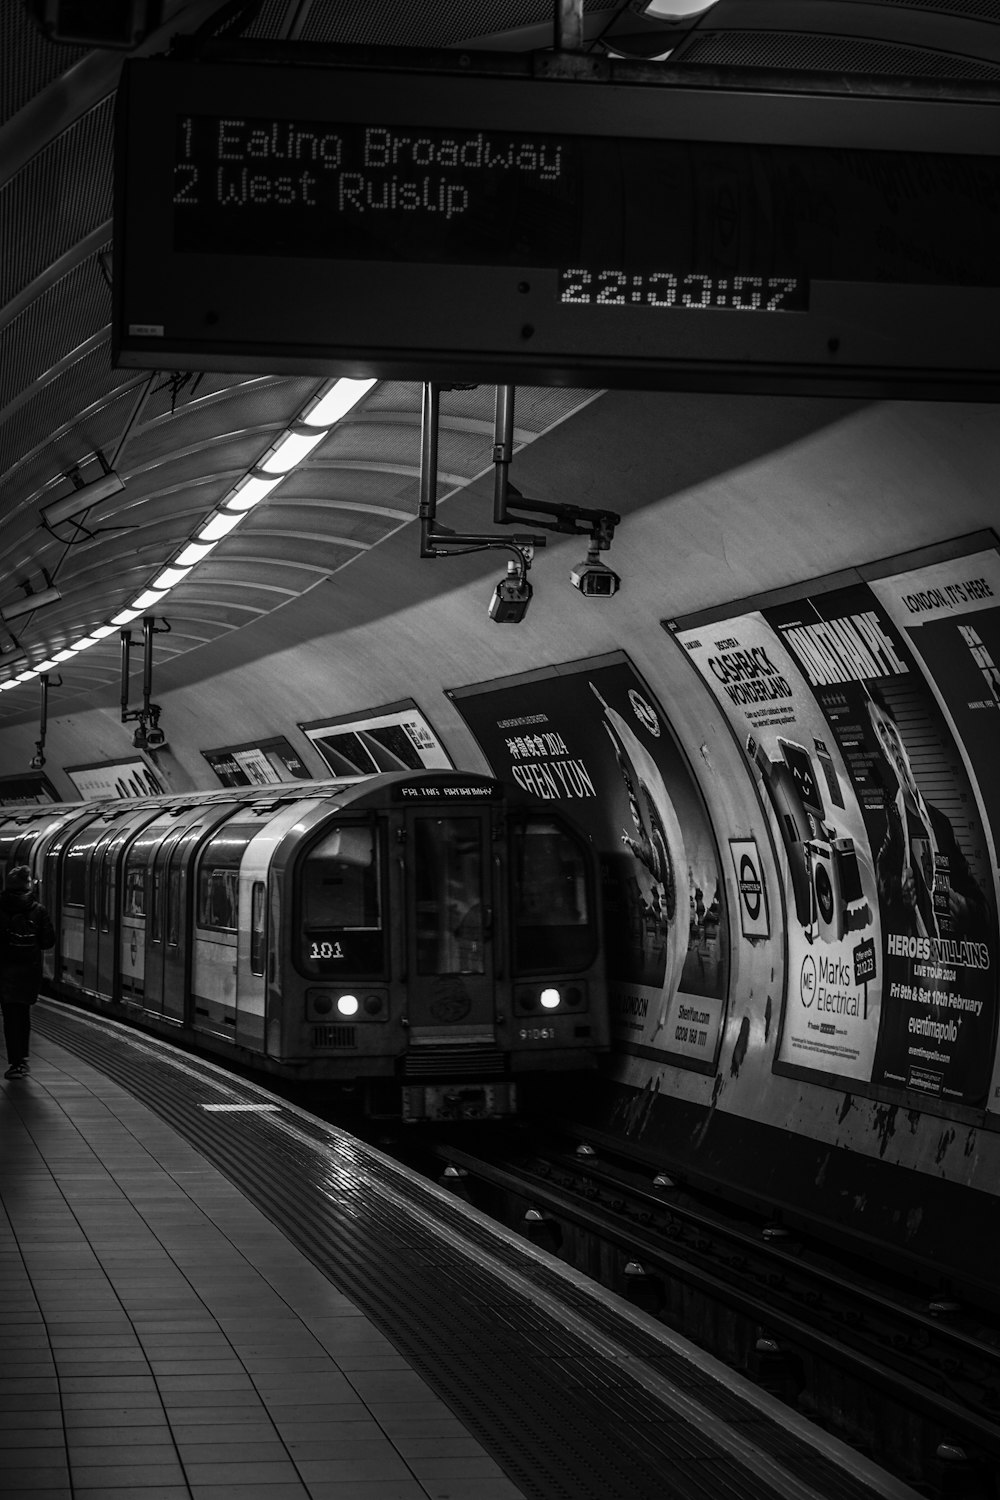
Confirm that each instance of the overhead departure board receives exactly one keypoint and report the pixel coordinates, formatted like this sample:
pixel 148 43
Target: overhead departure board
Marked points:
pixel 433 225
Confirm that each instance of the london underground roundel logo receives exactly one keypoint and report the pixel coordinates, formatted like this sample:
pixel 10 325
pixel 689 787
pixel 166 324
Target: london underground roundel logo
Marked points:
pixel 646 715
pixel 750 887
pixel 807 980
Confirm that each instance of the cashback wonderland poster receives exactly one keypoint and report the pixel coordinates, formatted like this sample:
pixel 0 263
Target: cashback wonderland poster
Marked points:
pixel 882 828
pixel 590 740
pixel 835 972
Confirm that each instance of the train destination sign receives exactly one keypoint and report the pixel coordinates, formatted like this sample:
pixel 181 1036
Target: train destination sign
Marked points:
pixel 436 225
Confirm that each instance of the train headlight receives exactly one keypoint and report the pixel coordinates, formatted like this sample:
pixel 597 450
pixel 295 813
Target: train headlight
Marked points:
pixel 347 1005
pixel 550 999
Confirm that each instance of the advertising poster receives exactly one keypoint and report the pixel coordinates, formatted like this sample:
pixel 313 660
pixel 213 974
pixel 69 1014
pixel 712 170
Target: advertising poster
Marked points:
pixel 116 778
pixel 889 872
pixel 590 739
pixel 949 614
pixel 31 787
pixel 835 973
pixel 261 764
pixel 395 738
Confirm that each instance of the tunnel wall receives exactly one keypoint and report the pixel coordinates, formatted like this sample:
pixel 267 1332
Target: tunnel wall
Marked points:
pixel 862 484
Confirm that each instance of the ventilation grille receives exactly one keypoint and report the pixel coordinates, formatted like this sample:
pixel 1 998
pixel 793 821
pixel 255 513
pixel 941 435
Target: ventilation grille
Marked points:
pixel 333 1036
pixel 386 23
pixel 828 54
pixel 56 407
pixel 61 318
pixel 955 10
pixel 454 1062
pixel 63 193
pixel 28 63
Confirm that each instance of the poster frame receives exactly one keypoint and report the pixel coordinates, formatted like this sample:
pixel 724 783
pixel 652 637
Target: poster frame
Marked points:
pixel 311 728
pixel 865 573
pixel 617 658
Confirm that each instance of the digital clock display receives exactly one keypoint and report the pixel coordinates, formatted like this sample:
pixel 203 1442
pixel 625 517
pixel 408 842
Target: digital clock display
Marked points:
pixel 588 287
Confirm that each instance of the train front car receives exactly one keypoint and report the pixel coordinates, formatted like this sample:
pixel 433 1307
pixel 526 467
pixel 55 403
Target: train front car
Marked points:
pixel 439 941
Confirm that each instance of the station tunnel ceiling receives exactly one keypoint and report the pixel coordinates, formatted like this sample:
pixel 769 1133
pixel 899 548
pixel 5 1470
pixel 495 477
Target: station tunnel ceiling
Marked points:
pixel 179 441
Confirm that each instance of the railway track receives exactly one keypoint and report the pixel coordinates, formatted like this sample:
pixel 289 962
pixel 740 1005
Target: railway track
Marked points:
pixel 905 1373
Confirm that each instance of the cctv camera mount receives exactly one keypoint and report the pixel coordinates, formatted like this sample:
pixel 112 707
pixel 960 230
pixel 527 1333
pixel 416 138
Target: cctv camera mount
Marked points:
pixel 593 578
pixel 148 734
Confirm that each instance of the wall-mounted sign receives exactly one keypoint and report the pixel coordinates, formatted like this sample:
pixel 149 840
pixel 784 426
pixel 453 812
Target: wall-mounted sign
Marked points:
pixel 115 778
pixel 867 711
pixel 754 918
pixel 259 764
pixel 589 738
pixel 494 225
pixel 394 738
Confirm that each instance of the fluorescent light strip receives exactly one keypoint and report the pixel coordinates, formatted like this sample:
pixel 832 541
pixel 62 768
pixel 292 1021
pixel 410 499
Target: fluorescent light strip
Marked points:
pixel 337 402
pixel 296 443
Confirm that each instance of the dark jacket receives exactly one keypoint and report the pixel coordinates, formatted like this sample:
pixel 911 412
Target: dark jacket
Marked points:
pixel 21 968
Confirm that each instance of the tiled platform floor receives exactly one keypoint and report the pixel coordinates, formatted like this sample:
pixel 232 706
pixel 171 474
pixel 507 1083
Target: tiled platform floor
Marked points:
pixel 160 1339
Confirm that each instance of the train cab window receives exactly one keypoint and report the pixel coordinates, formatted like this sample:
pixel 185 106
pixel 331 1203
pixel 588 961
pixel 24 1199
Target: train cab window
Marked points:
pixel 553 928
pixel 449 887
pixel 340 904
pixel 219 876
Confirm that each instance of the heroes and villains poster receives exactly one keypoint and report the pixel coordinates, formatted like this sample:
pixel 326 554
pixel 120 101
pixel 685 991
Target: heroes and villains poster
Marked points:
pixel 589 739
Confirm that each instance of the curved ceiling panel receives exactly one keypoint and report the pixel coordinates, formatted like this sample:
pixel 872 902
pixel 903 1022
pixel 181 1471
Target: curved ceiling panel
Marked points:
pixel 180 442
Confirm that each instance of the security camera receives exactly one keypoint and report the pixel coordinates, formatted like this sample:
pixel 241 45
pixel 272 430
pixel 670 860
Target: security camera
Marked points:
pixel 139 739
pixel 37 761
pixel 511 598
pixel 155 738
pixel 594 580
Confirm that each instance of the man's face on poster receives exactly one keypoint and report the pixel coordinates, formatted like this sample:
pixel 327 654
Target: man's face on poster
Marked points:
pixel 892 746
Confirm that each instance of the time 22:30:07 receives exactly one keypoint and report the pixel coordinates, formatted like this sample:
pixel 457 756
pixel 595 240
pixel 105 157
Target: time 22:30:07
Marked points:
pixel 594 288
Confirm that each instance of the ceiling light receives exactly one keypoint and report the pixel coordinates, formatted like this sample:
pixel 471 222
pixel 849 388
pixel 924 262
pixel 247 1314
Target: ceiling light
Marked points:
pixel 61 655
pixel 45 666
pixel 30 603
pixel 81 645
pixel 170 578
pixel 25 676
pixel 125 616
pixel 218 526
pixel 337 402
pixel 291 450
pixel 255 490
pixel 148 599
pixel 676 10
pixel 102 631
pixel 193 553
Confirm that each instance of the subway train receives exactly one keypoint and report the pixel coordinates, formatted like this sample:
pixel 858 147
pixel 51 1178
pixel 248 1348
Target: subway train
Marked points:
pixel 420 941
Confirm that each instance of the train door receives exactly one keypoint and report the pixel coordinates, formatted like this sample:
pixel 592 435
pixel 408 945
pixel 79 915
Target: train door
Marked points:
pixel 109 906
pixel 66 869
pixel 177 876
pixel 162 915
pixel 254 936
pixel 137 908
pixel 94 906
pixel 216 927
pixel 450 965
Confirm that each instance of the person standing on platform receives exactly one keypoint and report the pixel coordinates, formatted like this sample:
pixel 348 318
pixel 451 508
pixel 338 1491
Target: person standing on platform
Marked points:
pixel 25 932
